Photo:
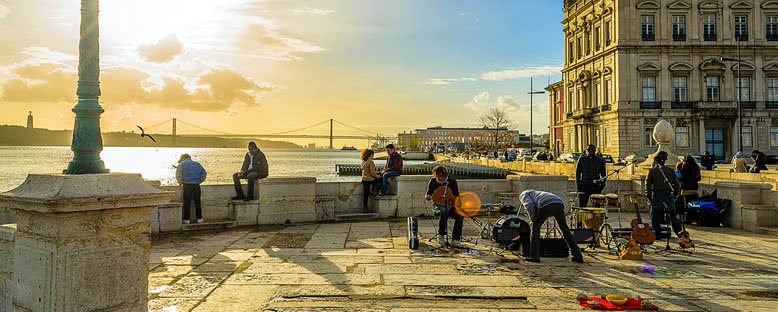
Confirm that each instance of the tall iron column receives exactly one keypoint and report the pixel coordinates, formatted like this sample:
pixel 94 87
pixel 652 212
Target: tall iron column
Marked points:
pixel 87 140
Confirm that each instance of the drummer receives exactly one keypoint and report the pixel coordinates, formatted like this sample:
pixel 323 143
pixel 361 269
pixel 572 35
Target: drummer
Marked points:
pixel 541 206
pixel 440 178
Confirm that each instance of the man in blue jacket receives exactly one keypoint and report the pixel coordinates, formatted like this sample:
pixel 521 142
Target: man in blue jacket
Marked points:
pixel 190 174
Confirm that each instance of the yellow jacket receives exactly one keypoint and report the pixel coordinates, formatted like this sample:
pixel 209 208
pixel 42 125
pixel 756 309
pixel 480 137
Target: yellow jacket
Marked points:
pixel 369 171
pixel 739 164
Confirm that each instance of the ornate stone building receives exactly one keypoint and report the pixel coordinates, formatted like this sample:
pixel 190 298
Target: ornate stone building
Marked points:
pixel 629 63
pixel 556 93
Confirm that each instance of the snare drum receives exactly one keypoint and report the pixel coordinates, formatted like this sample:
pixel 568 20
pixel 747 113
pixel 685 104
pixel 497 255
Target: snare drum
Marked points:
pixel 598 200
pixel 591 217
pixel 613 199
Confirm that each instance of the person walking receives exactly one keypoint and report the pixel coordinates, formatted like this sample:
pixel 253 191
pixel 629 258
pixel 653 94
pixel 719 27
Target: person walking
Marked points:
pixel 392 168
pixel 588 172
pixel 662 186
pixel 190 174
pixel 440 178
pixel 254 167
pixel 541 206
pixel 739 163
pixel 370 177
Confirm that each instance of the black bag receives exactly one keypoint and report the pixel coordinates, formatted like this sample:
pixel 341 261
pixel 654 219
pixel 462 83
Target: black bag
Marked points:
pixel 413 233
pixel 583 236
pixel 553 248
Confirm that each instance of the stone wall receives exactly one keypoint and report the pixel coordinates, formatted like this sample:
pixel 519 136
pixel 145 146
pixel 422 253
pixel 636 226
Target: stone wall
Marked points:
pixel 7 234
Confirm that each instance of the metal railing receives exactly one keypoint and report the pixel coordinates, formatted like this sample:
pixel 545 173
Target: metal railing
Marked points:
pixel 748 104
pixel 650 105
pixel 679 37
pixel 595 110
pixel 716 104
pixel 648 37
pixel 605 108
pixel 681 105
pixel 771 104
pixel 709 36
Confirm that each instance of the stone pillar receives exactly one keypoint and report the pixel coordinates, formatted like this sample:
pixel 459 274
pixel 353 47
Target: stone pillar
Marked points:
pixel 702 137
pixel 752 205
pixel 82 242
pixel 287 200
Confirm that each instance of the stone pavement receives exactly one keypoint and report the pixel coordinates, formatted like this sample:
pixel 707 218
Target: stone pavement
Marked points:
pixel 366 266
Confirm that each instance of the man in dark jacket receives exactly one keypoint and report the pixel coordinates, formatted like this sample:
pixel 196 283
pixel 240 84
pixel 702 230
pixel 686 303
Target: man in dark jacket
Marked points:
pixel 707 161
pixel 588 171
pixel 392 168
pixel 662 186
pixel 440 178
pixel 760 161
pixel 254 167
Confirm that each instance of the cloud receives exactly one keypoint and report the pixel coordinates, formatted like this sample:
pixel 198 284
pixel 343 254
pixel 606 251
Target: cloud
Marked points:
pixel 273 45
pixel 4 11
pixel 521 73
pixel 165 50
pixel 214 90
pixel 508 102
pixel 480 101
pixel 445 81
pixel 312 11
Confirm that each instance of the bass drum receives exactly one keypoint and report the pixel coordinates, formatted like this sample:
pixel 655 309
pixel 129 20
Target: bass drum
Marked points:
pixel 512 233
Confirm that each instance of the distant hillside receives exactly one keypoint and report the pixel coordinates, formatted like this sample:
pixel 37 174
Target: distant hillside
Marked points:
pixel 21 136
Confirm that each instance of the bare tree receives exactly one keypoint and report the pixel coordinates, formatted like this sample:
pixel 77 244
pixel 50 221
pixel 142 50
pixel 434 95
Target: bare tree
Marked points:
pixel 496 118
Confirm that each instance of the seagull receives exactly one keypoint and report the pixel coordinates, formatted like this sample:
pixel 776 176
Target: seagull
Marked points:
pixel 143 134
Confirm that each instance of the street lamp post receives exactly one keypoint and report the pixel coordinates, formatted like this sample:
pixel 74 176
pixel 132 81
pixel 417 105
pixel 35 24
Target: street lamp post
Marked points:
pixel 531 93
pixel 87 140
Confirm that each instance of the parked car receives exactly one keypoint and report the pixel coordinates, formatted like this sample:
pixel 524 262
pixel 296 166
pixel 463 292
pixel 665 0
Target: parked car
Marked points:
pixel 569 157
pixel 512 156
pixel 607 159
pixel 771 159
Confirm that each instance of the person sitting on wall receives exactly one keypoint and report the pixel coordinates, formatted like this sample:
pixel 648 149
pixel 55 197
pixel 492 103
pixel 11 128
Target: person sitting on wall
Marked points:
pixel 190 174
pixel 707 161
pixel 588 172
pixel 392 168
pixel 739 163
pixel 541 206
pixel 370 178
pixel 760 161
pixel 440 178
pixel 254 167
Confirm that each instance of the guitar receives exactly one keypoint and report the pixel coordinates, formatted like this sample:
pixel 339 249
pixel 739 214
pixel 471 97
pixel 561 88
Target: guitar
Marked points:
pixel 443 197
pixel 641 232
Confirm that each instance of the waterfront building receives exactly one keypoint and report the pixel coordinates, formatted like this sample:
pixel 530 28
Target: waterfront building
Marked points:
pixel 429 137
pixel 556 92
pixel 629 63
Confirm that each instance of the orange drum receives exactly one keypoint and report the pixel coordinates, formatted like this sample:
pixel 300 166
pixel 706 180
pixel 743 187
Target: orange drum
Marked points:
pixel 598 200
pixel 613 199
pixel 591 218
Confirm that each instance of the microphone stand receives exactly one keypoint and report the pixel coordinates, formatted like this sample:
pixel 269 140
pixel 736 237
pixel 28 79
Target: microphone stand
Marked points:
pixel 618 186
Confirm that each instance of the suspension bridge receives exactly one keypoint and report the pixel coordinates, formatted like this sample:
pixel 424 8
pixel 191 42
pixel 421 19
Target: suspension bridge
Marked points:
pixel 363 134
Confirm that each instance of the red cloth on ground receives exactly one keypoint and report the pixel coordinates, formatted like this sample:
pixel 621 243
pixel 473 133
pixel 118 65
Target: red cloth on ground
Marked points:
pixel 631 304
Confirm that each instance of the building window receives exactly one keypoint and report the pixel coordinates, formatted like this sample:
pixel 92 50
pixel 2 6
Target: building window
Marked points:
pixel 648 137
pixel 647 26
pixel 709 27
pixel 607 92
pixel 712 88
pixel 741 27
pixel 595 97
pixel 649 89
pixel 772 28
pixel 680 89
pixel 570 101
pixel 588 44
pixel 580 48
pixel 570 51
pixel 597 39
pixel 679 27
pixel 744 89
pixel 772 90
pixel 773 137
pixel 747 136
pixel 682 136
pixel 607 137
pixel 597 137
pixel 607 34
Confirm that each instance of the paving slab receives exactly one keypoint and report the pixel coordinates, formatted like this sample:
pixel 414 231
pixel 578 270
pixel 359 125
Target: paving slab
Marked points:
pixel 302 279
pixel 194 285
pixel 238 298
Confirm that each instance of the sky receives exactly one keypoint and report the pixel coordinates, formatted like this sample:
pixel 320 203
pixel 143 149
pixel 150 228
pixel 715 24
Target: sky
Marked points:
pixel 267 66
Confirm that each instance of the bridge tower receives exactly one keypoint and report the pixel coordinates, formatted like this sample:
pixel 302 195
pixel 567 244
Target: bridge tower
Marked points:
pixel 331 133
pixel 174 132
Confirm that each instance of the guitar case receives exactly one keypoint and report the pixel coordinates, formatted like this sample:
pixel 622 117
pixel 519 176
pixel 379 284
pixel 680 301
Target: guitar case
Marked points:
pixel 413 233
pixel 583 236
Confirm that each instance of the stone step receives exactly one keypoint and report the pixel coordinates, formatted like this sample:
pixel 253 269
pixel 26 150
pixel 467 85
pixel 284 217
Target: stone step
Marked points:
pixel 356 216
pixel 209 225
pixel 769 230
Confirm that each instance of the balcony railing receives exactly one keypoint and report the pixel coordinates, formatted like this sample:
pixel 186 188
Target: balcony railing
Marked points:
pixel 709 36
pixel 715 104
pixel 771 104
pixel 681 105
pixel 748 104
pixel 772 37
pixel 679 37
pixel 569 115
pixel 605 108
pixel 595 110
pixel 648 37
pixel 741 37
pixel 650 105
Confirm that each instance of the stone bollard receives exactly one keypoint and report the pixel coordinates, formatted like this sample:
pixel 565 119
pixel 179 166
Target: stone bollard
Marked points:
pixel 82 242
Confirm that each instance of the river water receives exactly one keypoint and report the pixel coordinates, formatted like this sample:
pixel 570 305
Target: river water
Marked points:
pixel 157 163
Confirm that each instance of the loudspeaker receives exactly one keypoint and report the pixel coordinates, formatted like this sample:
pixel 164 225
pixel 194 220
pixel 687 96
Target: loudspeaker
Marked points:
pixel 553 248
pixel 583 236
pixel 413 233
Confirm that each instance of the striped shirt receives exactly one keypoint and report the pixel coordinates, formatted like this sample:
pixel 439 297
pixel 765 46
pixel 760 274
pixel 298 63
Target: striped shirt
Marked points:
pixel 534 200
